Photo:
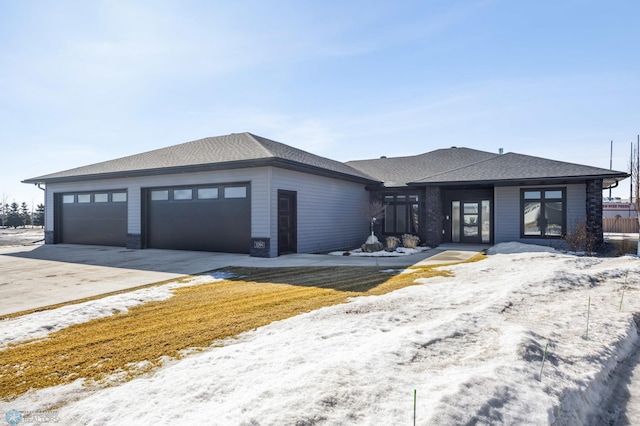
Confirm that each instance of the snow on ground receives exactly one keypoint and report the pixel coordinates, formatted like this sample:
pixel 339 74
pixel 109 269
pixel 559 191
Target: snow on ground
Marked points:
pixel 470 345
pixel 10 237
pixel 516 247
pixel 400 251
pixel 39 324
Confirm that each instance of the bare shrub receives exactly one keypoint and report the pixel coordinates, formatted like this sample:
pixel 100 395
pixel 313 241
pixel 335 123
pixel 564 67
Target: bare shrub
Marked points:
pixel 410 241
pixel 579 239
pixel 392 243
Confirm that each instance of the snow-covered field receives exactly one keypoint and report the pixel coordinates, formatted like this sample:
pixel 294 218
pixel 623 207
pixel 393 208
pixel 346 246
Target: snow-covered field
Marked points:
pixel 471 346
pixel 21 236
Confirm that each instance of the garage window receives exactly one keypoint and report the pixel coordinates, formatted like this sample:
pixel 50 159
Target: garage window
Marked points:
pixel 207 193
pixel 235 192
pixel 162 195
pixel 69 199
pixel 84 198
pixel 119 197
pixel 101 198
pixel 182 194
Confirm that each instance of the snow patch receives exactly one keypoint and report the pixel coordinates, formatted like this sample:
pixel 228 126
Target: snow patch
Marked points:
pixel 400 251
pixel 516 247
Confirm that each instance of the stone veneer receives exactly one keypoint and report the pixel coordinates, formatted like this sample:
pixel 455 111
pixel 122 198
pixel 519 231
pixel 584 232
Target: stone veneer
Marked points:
pixel 431 210
pixel 594 209
pixel 48 237
pixel 260 247
pixel 134 241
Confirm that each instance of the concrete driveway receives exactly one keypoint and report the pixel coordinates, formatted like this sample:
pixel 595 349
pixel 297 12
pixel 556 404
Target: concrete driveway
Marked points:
pixel 33 277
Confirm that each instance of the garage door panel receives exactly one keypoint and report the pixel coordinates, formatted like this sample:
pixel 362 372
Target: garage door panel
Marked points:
pixel 221 224
pixel 94 223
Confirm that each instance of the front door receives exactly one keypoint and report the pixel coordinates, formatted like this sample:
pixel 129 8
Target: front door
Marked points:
pixel 471 221
pixel 287 222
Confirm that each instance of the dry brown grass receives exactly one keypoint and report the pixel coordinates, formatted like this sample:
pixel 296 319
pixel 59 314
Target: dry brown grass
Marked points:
pixel 196 317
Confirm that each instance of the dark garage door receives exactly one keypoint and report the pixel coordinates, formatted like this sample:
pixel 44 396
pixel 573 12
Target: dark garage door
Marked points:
pixel 96 218
pixel 202 218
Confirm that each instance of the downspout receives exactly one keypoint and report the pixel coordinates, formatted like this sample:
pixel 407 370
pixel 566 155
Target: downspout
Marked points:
pixel 269 215
pixel 615 185
pixel 44 219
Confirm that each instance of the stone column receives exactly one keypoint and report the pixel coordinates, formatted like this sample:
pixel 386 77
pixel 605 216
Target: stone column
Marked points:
pixel 594 210
pixel 432 203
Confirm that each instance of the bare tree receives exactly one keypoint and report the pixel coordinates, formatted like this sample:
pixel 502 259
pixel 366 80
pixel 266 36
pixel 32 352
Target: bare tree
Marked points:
pixel 373 211
pixel 4 208
pixel 634 171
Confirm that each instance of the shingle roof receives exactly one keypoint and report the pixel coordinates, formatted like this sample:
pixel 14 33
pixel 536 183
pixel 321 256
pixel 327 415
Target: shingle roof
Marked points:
pixel 236 149
pixel 517 167
pixel 398 171
pixel 464 165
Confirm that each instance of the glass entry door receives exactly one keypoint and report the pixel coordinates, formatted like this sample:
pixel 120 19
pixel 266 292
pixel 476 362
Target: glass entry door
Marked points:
pixel 471 221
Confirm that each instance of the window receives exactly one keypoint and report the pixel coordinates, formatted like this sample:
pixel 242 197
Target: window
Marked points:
pixel 101 198
pixel 119 197
pixel 69 199
pixel 207 193
pixel 235 192
pixel 182 194
pixel 162 195
pixel 84 198
pixel 401 214
pixel 543 212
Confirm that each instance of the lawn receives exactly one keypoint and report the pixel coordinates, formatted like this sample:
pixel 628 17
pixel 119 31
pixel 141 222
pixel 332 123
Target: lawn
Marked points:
pixel 127 344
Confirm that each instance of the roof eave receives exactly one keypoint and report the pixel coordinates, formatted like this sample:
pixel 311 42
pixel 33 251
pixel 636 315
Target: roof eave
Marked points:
pixel 242 164
pixel 525 181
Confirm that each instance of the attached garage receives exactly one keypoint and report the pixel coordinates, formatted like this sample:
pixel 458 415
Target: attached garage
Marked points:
pixel 94 218
pixel 202 218
pixel 238 193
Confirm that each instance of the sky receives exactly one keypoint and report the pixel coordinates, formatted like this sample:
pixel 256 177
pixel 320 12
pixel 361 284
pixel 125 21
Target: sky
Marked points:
pixel 85 82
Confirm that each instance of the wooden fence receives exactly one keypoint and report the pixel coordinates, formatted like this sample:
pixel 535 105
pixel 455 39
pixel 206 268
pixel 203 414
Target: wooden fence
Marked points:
pixel 622 225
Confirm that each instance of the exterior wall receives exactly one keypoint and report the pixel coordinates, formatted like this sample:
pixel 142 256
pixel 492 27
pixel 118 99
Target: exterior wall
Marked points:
pixel 330 211
pixel 260 219
pixel 507 212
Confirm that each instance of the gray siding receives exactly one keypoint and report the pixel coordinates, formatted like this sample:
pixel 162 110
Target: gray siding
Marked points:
pixel 257 177
pixel 329 211
pixel 507 212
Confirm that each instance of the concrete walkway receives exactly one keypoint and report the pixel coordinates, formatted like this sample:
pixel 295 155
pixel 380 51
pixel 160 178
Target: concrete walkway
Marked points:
pixel 33 277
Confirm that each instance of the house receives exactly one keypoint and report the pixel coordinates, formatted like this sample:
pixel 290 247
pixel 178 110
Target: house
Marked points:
pixel 243 193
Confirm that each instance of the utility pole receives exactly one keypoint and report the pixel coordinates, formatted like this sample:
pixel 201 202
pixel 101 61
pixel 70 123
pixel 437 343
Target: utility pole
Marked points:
pixel 610 165
pixel 631 171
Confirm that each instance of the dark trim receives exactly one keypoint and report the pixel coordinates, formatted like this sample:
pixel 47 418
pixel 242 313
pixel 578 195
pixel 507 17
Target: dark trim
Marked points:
pixel 229 165
pixel 57 217
pixel 523 181
pixel 542 200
